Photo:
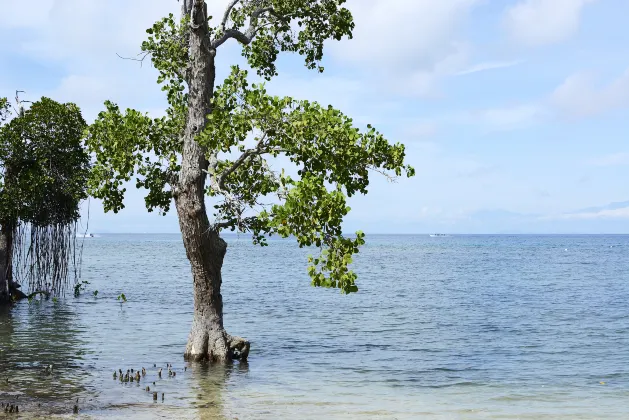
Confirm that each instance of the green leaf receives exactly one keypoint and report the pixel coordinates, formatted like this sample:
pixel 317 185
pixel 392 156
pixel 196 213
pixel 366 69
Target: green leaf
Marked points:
pixel 246 130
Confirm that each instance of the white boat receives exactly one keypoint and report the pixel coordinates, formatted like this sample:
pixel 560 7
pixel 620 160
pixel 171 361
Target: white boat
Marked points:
pixel 438 235
pixel 86 235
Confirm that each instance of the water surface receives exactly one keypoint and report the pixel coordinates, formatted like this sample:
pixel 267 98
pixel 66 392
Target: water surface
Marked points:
pixel 463 327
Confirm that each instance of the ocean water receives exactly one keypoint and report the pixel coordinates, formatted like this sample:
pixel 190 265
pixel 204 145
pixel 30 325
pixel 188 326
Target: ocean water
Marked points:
pixel 462 327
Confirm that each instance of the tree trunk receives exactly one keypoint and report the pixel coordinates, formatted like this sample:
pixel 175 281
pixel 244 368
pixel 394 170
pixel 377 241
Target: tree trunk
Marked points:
pixel 208 339
pixel 6 256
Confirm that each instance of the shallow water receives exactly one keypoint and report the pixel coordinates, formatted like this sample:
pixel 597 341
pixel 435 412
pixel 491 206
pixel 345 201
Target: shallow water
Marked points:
pixel 464 327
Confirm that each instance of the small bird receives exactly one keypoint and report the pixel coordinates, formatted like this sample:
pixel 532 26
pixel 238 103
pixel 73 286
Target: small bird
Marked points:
pixel 185 368
pixel 162 396
pixel 154 364
pixel 174 373
pixel 159 372
pixel 154 396
pixel 75 410
pixel 143 372
pixel 115 375
pixel 148 389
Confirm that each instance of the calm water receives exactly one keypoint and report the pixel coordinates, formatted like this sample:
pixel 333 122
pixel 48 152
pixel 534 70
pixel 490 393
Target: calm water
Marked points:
pixel 464 327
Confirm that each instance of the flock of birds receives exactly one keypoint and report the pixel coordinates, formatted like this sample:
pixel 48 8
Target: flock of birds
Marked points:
pixel 136 375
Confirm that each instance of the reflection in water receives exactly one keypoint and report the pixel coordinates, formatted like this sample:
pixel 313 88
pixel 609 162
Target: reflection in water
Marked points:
pixel 210 382
pixel 34 337
pixel 468 328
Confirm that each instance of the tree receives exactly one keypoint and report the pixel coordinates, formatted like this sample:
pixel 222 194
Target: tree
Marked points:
pixel 43 177
pixel 201 148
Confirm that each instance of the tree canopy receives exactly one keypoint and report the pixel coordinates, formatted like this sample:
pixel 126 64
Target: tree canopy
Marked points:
pixel 247 130
pixel 43 165
pixel 44 168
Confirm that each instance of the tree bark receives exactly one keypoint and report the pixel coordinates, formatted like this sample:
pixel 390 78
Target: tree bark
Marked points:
pixel 205 250
pixel 6 257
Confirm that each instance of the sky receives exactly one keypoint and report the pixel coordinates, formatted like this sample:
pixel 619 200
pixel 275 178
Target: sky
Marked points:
pixel 513 112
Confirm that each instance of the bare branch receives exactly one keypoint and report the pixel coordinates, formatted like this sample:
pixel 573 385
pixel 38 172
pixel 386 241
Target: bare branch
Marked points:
pixel 246 37
pixel 228 11
pixel 245 155
pixel 384 173
pixel 141 60
pixel 238 162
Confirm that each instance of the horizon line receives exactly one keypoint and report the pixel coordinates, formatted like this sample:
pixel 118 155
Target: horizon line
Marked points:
pixel 389 233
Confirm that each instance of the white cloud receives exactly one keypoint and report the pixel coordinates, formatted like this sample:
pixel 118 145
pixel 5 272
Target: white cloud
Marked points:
pixel 425 82
pixel 83 31
pixel 622 213
pixel 507 118
pixel 578 96
pixel 542 22
pixel 340 92
pixel 16 15
pixel 410 44
pixel 420 130
pixel 614 159
pixel 490 65
pixel 408 33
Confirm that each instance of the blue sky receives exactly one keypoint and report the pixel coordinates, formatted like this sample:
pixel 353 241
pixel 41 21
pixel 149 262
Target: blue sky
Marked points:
pixel 514 112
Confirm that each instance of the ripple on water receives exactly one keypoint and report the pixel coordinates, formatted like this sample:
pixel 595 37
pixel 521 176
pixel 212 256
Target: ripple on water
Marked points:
pixel 466 327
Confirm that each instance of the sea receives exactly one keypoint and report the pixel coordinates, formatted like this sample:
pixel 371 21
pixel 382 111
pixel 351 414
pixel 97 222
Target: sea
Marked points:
pixel 458 327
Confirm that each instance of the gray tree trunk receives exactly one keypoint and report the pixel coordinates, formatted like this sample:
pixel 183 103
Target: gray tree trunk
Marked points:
pixel 208 339
pixel 6 256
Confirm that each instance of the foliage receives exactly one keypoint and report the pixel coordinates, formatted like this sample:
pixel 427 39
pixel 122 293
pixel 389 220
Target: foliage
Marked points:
pixel 333 157
pixel 44 165
pixel 80 287
pixel 44 169
pixel 317 20
pixel 4 109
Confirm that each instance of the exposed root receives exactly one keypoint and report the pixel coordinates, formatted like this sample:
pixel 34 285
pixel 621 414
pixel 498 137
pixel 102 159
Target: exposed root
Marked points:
pixel 215 346
pixel 239 348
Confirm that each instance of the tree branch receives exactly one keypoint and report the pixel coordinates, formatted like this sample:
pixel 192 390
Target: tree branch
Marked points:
pixel 228 11
pixel 245 155
pixel 141 60
pixel 246 37
pixel 387 175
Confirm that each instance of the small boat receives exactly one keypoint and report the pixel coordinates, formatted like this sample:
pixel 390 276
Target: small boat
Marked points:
pixel 438 235
pixel 86 235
